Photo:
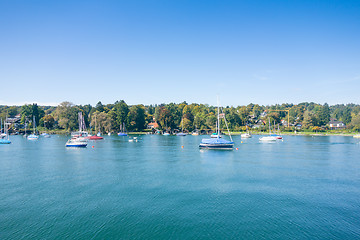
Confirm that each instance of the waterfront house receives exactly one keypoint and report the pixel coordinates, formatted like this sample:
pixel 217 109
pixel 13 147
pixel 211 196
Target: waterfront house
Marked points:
pixel 334 124
pixel 152 125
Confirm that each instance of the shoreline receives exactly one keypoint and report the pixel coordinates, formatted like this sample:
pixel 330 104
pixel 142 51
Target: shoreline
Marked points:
pixel 60 132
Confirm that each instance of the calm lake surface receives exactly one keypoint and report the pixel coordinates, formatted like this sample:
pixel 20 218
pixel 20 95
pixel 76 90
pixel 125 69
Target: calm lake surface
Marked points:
pixel 302 188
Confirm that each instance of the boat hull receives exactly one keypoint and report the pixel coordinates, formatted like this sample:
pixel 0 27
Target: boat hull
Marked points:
pixel 32 137
pixel 245 135
pixel 5 141
pixel 95 138
pixel 181 134
pixel 216 146
pixel 76 145
pixel 267 139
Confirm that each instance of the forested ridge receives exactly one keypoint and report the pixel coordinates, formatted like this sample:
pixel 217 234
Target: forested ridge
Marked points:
pixel 172 116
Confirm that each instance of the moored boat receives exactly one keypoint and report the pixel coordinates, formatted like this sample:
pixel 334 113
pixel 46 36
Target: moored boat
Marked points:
pixel 4 137
pixel 181 134
pixel 5 141
pixel 33 136
pixel 246 135
pixel 122 130
pixel 45 135
pixel 268 139
pixel 217 142
pixel 95 137
pixel 77 142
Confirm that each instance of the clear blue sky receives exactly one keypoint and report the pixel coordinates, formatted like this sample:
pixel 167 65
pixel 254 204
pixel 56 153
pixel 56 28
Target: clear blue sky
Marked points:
pixel 157 51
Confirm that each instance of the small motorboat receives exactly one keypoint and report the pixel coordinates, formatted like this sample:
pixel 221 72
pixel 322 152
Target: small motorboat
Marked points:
pixel 45 135
pixel 4 141
pixel 181 134
pixel 32 137
pixel 95 137
pixel 246 135
pixel 268 139
pixel 77 142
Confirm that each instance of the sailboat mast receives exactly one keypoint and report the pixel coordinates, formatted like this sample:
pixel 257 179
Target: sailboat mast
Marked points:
pixel 269 127
pixel 218 119
pixel 34 123
pixel 6 130
pixel 79 118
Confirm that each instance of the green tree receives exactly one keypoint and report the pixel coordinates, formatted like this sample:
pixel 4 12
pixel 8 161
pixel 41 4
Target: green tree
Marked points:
pixel 308 120
pixel 136 118
pixel 31 111
pixel 101 121
pixel 48 121
pixel 121 110
pixel 66 114
pixel 355 123
pixel 165 118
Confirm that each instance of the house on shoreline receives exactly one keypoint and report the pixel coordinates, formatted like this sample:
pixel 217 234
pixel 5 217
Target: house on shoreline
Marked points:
pixel 334 124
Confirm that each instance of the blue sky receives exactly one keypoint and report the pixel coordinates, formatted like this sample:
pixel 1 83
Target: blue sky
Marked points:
pixel 156 51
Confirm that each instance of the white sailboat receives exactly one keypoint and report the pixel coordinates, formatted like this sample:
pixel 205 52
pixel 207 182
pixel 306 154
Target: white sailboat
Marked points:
pixel 78 139
pixel 4 138
pixel 182 134
pixel 218 142
pixel 122 130
pixel 268 138
pixel 33 136
pixel 2 134
pixel 45 134
pixel 246 134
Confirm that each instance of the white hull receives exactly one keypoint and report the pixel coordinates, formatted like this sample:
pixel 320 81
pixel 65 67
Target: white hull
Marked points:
pixel 268 139
pixel 245 135
pixel 33 137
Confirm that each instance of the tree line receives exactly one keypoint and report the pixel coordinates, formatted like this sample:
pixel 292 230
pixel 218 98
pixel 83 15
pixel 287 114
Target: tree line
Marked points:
pixel 176 116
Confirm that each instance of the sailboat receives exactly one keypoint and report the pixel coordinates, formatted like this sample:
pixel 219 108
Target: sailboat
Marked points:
pixel 98 135
pixel 217 143
pixel 2 134
pixel 247 134
pixel 78 139
pixel 269 138
pixel 4 138
pixel 181 134
pixel 45 134
pixel 278 136
pixel 122 130
pixel 216 134
pixel 33 136
pixel 81 132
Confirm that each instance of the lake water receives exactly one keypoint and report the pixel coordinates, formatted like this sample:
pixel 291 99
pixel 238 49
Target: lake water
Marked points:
pixel 300 188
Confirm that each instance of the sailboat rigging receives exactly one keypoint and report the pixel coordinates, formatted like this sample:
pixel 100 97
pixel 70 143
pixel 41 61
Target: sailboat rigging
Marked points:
pixel 218 143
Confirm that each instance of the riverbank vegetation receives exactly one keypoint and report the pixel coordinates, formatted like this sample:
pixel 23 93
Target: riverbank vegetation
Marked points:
pixel 303 117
